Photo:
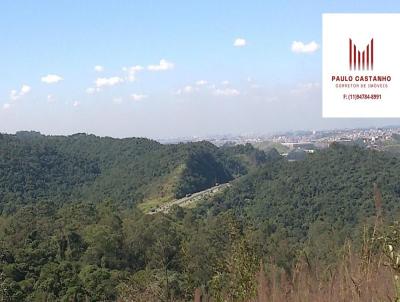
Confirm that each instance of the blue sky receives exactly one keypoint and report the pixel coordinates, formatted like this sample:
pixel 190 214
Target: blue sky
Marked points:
pixel 187 76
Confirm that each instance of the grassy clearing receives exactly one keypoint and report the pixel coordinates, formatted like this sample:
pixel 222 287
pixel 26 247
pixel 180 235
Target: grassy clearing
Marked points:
pixel 150 204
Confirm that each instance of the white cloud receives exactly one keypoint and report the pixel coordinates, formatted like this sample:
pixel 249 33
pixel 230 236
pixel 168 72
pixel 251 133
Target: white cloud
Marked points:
pixel 226 92
pixel 203 86
pixel 201 82
pixel 102 82
pixel 187 89
pixel 91 90
pixel 51 79
pixel 225 82
pixel 132 72
pixel 239 42
pixel 163 65
pixel 15 95
pixel 138 97
pixel 76 104
pixel 300 47
pixel 25 89
pixel 98 68
pixel 6 106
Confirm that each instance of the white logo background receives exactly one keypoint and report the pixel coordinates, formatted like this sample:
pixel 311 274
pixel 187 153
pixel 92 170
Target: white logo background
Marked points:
pixel 361 28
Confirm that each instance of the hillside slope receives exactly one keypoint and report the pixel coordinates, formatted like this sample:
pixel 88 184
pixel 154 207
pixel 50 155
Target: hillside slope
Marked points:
pixel 332 187
pixel 85 167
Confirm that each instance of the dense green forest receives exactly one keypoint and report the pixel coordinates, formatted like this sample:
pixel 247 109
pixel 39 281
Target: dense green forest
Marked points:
pixel 71 229
pixel 80 167
pixel 333 186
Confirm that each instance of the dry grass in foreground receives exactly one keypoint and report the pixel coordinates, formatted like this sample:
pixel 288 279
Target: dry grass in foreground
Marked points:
pixel 356 278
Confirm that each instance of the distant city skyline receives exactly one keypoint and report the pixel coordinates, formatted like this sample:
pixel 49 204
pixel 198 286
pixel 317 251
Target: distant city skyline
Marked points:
pixel 167 69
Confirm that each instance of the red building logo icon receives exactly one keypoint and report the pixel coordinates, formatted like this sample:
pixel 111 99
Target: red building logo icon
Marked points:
pixel 361 60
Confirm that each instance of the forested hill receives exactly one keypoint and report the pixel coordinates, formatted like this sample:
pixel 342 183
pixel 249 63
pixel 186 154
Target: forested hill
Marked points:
pixel 35 167
pixel 331 189
pixel 72 241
